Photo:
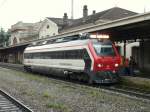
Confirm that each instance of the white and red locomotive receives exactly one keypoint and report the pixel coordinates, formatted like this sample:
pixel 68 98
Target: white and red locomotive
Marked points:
pixel 86 57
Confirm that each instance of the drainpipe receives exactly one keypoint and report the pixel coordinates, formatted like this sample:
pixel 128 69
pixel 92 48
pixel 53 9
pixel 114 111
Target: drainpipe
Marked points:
pixel 124 50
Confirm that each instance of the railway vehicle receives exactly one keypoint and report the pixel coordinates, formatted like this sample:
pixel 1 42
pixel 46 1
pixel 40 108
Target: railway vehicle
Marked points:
pixel 86 57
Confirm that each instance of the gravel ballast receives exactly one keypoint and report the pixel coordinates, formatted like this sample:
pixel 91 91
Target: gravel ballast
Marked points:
pixel 44 94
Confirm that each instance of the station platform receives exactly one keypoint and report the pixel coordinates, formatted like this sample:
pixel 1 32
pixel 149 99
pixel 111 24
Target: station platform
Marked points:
pixel 136 82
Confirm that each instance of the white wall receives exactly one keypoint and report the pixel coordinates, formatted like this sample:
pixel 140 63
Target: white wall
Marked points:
pixel 128 48
pixel 51 31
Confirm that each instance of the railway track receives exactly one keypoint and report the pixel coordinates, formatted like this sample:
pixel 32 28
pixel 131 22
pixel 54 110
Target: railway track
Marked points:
pixel 10 104
pixel 128 91
pixel 131 92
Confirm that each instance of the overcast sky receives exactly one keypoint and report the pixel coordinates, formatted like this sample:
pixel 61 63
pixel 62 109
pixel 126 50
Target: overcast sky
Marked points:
pixel 12 11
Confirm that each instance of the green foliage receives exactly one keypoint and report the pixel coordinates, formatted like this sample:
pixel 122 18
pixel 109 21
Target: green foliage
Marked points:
pixel 4 37
pixel 58 106
pixel 46 94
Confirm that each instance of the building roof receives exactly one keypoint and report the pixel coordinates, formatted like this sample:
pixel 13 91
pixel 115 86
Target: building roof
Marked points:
pixel 104 16
pixel 59 21
pixel 33 27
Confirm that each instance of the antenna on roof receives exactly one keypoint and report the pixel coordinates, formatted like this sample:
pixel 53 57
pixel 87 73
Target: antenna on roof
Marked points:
pixel 144 8
pixel 116 3
pixel 72 4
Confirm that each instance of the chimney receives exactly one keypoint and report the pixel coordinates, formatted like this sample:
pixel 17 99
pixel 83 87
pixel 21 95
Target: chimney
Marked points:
pixel 65 19
pixel 94 12
pixel 85 11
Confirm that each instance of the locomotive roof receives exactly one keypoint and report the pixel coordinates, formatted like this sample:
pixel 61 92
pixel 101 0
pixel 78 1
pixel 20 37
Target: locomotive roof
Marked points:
pixel 61 40
pixel 56 45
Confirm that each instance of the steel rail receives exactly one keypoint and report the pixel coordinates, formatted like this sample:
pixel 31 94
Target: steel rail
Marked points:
pixel 10 103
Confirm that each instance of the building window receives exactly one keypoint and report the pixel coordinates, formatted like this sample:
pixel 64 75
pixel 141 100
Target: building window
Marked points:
pixel 47 26
pixel 69 54
pixel 14 41
pixel 47 36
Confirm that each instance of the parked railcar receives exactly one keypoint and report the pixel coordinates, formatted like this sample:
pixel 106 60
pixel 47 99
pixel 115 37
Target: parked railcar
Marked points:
pixel 85 57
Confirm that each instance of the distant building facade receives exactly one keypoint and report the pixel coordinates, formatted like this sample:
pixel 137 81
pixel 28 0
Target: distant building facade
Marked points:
pixel 97 18
pixel 48 29
pixel 23 32
pixel 52 26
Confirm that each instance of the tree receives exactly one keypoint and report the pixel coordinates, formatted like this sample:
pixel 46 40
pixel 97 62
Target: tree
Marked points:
pixel 4 37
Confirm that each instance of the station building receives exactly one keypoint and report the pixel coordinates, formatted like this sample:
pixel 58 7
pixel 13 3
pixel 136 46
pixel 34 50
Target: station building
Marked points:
pixel 24 32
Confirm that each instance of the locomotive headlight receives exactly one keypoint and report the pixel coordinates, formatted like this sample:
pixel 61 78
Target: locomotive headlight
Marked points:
pixel 116 65
pixel 100 65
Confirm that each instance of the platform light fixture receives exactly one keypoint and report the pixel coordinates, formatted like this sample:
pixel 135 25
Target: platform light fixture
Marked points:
pixel 100 36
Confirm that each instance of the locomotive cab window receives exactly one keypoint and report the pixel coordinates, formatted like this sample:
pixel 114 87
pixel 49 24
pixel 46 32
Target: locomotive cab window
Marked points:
pixel 104 49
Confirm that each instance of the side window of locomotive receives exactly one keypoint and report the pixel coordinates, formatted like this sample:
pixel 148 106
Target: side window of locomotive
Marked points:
pixel 85 54
pixel 35 56
pixel 60 55
pixel 56 55
pixel 73 54
pixel 26 56
pixel 76 54
pixel 63 52
pixel 30 56
pixel 44 55
pixel 80 54
pixel 66 54
pixel 52 55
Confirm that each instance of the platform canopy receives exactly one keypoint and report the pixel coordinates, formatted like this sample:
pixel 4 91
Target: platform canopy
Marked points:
pixel 14 48
pixel 129 28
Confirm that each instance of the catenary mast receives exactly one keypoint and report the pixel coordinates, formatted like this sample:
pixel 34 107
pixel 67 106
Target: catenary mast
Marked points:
pixel 72 4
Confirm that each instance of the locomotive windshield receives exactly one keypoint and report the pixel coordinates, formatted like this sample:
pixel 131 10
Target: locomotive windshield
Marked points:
pixel 104 49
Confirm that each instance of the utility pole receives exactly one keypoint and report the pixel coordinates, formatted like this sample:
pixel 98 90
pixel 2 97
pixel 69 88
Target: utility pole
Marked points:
pixel 72 4
pixel 116 3
pixel 144 9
